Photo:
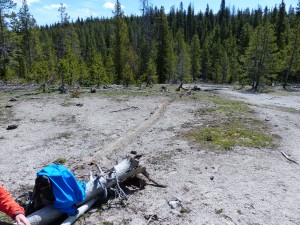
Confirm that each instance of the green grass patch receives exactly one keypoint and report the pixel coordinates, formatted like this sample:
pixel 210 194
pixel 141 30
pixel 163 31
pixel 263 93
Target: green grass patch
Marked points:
pixel 226 136
pixel 64 135
pixel 5 218
pixel 227 106
pixel 67 103
pixel 282 108
pixel 60 161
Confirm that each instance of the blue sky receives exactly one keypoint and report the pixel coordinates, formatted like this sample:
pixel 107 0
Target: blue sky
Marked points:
pixel 46 11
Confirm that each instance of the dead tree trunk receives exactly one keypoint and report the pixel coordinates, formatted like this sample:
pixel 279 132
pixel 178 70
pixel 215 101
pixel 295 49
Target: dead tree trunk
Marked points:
pixel 127 168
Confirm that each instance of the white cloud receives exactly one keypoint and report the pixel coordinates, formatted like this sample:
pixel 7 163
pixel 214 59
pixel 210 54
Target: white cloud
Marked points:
pixel 109 5
pixel 54 6
pixel 29 2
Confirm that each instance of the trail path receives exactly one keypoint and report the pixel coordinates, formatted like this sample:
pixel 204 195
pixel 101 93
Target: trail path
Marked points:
pixel 121 143
pixel 282 112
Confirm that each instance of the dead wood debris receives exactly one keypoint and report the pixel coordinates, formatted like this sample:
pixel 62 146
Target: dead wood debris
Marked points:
pixel 288 158
pixel 12 127
pixel 131 107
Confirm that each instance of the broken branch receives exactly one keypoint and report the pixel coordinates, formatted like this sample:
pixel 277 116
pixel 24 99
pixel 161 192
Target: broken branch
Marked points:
pixel 288 158
pixel 131 107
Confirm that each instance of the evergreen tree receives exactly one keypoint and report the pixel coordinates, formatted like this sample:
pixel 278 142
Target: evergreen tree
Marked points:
pixel 281 26
pixel 260 56
pixel 28 36
pixel 190 23
pixel 97 70
pixel 62 31
pixel 244 38
pixel 196 58
pixel 8 39
pixel 83 77
pixel 232 60
pixel 183 61
pixel 205 61
pixel 121 42
pixel 298 9
pixel 292 56
pixel 110 68
pixel 163 46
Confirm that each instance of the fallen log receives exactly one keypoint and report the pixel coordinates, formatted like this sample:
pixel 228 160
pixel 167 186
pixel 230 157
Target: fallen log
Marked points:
pixel 127 168
pixel 81 210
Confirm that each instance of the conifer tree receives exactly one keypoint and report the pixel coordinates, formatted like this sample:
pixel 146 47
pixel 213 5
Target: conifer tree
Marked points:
pixel 8 39
pixel 121 42
pixel 163 46
pixel 205 61
pixel 190 23
pixel 97 70
pixel 196 58
pixel 292 56
pixel 281 26
pixel 260 56
pixel 183 61
pixel 26 30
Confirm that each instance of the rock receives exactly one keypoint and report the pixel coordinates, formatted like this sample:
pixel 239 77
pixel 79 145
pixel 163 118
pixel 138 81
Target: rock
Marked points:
pixel 175 203
pixel 12 127
pixel 13 100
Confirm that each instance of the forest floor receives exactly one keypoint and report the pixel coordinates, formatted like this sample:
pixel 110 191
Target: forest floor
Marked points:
pixel 239 185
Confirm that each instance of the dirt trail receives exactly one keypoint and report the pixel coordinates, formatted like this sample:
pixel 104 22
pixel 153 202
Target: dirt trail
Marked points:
pixel 121 143
pixel 282 112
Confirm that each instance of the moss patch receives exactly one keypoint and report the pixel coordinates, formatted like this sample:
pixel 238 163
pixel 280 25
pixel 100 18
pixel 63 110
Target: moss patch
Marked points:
pixel 226 137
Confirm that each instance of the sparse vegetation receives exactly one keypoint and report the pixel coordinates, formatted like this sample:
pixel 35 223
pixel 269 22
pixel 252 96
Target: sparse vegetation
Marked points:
pixel 60 161
pixel 5 218
pixel 234 128
pixel 218 211
pixel 76 94
pixel 108 223
pixel 227 136
pixel 64 135
pixel 67 103
pixel 185 210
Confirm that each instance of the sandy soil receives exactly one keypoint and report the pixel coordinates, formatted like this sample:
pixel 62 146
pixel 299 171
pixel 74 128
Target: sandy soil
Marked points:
pixel 241 186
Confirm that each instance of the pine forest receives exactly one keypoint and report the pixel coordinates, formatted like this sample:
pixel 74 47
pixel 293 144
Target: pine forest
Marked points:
pixel 231 46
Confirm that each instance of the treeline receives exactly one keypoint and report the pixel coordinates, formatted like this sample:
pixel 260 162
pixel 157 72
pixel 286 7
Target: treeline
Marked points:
pixel 258 46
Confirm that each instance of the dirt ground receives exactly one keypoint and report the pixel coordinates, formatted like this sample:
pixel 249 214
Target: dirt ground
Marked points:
pixel 241 186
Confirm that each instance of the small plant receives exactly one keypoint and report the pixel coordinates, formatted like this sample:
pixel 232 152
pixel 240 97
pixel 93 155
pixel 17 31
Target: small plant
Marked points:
pixel 66 104
pixel 60 161
pixel 76 93
pixel 185 210
pixel 64 135
pixel 108 223
pixel 218 211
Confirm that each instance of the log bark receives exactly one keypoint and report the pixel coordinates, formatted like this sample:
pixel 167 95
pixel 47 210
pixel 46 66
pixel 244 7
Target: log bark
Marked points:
pixel 127 168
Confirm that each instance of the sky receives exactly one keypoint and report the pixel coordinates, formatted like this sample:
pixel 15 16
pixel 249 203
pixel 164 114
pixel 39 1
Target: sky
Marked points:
pixel 46 11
